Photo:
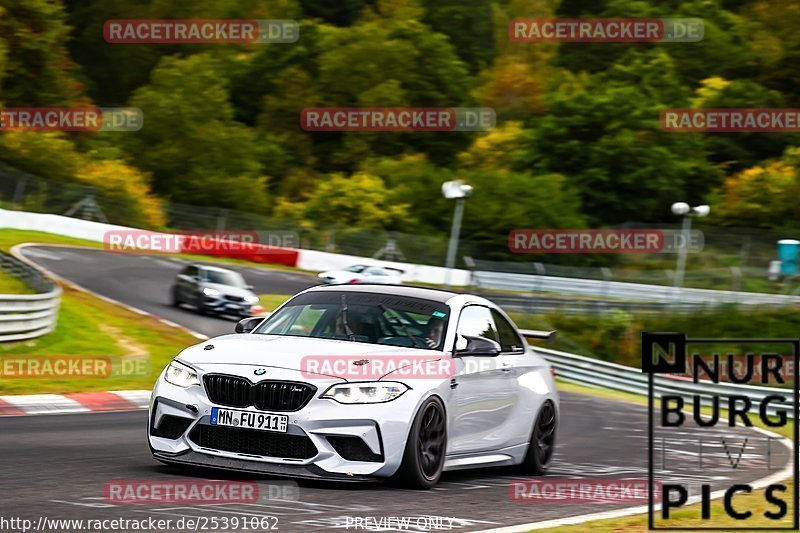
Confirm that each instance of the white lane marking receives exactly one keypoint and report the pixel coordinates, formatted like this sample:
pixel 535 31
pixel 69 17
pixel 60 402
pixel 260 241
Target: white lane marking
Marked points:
pixel 164 262
pixel 139 398
pixel 44 255
pixel 35 404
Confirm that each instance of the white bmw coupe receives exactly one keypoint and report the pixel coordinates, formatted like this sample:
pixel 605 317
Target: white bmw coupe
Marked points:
pixel 361 382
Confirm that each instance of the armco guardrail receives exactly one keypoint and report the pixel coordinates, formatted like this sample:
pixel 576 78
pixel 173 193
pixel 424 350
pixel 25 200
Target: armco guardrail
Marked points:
pixel 537 303
pixel 27 316
pixel 623 290
pixel 602 374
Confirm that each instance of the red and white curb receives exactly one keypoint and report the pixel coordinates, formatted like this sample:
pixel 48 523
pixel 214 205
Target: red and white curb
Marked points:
pixel 85 402
pixel 74 402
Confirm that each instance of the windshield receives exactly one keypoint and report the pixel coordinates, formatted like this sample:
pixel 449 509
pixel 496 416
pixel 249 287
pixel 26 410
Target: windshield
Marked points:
pixel 224 278
pixel 355 268
pixel 358 317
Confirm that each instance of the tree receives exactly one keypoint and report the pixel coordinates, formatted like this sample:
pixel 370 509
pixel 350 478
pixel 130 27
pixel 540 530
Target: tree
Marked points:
pixel 741 150
pixel 50 155
pixel 603 133
pixel 468 25
pixel 35 67
pixel 123 193
pixel 358 201
pixel 196 151
pixel 762 196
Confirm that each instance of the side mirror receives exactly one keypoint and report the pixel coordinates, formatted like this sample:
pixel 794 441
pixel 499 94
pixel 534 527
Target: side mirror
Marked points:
pixel 246 325
pixel 478 347
pixel 248 287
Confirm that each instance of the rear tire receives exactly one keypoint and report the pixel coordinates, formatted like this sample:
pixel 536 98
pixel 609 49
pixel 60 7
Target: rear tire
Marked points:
pixel 176 302
pixel 542 444
pixel 423 459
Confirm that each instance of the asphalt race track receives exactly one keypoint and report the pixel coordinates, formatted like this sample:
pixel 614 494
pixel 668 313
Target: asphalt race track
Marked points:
pixel 57 466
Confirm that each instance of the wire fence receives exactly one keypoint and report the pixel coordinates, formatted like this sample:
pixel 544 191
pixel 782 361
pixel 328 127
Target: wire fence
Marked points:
pixel 736 259
pixel 20 190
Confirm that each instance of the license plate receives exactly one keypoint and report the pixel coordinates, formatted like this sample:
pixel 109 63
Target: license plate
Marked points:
pixel 249 420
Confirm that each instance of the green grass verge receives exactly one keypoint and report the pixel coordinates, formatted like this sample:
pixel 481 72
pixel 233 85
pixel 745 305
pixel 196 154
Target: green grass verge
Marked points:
pixel 91 327
pixel 270 302
pixel 11 285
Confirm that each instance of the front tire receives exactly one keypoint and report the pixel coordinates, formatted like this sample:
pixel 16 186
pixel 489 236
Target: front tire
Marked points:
pixel 423 459
pixel 542 444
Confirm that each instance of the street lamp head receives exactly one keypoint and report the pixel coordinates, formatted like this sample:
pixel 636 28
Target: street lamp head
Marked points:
pixel 681 208
pixel 454 190
pixel 701 210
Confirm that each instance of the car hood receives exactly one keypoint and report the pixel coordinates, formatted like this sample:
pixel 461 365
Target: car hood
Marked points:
pixel 280 351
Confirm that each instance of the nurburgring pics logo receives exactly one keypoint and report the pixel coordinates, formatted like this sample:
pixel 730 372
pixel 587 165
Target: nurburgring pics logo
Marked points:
pixel 137 31
pixel 397 119
pixel 603 241
pixel 606 30
pixel 695 377
pixel 71 119
pixel 731 120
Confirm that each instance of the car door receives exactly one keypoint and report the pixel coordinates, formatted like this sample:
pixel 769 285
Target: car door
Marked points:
pixel 373 275
pixel 483 395
pixel 516 362
pixel 187 283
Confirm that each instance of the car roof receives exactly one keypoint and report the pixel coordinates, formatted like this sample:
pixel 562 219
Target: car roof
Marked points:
pixel 411 291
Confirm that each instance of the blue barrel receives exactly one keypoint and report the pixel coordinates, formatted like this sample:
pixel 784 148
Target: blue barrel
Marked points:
pixel 787 254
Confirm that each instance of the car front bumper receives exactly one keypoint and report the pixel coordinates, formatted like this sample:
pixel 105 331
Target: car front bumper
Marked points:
pixel 324 439
pixel 219 304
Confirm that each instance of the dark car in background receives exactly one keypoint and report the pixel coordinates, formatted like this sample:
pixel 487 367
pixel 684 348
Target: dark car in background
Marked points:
pixel 213 290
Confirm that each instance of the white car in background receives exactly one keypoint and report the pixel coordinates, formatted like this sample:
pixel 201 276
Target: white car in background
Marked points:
pixel 363 274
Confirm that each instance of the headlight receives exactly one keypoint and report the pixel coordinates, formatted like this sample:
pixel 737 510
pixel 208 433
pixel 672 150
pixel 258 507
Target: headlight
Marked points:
pixel 181 375
pixel 251 299
pixel 210 292
pixel 377 392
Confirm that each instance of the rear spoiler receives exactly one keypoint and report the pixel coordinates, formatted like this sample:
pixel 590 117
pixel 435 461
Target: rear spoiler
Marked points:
pixel 537 334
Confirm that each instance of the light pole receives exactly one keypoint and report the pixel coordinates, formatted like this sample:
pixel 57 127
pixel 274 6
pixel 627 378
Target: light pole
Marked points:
pixel 454 190
pixel 687 212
